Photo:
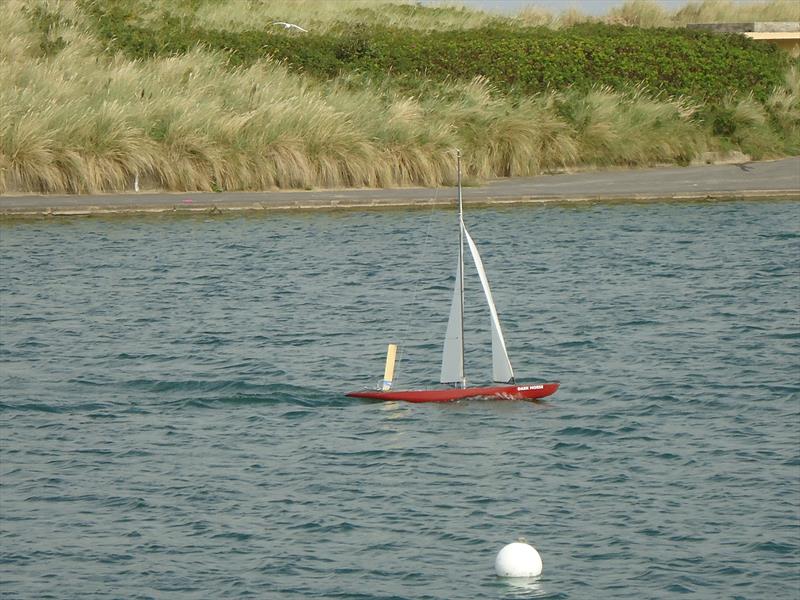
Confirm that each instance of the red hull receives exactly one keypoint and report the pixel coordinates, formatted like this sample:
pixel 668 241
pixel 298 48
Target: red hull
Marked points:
pixel 499 392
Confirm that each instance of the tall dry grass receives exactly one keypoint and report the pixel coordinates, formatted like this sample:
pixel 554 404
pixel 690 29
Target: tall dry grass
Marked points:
pixel 649 13
pixel 321 16
pixel 783 107
pixel 78 120
pixel 632 128
pixel 730 11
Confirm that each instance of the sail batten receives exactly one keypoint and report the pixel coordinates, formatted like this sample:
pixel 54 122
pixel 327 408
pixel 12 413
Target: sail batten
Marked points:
pixel 501 365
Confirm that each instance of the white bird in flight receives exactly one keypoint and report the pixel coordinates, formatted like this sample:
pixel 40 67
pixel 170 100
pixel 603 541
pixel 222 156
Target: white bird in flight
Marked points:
pixel 289 25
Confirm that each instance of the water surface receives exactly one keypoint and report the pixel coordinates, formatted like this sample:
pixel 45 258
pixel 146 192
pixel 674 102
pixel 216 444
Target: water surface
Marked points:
pixel 173 422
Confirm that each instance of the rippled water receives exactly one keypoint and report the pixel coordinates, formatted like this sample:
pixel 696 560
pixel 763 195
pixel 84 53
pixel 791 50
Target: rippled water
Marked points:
pixel 173 421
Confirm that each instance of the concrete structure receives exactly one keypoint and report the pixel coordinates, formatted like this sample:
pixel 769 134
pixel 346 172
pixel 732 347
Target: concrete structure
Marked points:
pixel 785 34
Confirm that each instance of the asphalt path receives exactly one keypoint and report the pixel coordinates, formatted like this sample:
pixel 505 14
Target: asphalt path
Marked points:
pixel 768 179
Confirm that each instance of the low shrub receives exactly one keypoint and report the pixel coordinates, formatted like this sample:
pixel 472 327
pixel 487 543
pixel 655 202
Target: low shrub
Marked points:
pixel 517 60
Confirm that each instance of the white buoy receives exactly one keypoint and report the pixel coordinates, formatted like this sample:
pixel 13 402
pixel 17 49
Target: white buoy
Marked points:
pixel 518 559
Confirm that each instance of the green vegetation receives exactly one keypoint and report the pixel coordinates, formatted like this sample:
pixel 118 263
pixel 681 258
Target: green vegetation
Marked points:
pixel 520 60
pixel 192 95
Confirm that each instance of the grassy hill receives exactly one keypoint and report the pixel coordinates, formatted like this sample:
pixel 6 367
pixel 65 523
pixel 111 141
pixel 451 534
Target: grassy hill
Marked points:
pixel 211 95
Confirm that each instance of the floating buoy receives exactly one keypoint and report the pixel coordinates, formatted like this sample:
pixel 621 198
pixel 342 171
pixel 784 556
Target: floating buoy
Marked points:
pixel 518 559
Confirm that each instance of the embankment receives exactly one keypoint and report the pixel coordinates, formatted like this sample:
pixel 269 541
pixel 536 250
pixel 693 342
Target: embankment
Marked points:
pixel 761 180
pixel 97 96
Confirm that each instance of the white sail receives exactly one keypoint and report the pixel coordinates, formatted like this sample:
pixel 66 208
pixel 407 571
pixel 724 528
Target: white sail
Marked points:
pixel 501 366
pixel 453 353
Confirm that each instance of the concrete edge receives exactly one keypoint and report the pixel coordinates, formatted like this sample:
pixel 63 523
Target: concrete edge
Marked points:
pixel 212 208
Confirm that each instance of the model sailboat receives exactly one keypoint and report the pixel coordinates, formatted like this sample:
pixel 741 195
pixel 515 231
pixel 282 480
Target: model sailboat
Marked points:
pixel 453 354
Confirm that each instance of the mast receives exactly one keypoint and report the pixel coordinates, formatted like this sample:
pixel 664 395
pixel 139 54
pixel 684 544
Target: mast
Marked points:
pixel 461 261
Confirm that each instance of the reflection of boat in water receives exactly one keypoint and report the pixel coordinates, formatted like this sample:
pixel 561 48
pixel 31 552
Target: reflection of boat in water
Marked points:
pixel 453 354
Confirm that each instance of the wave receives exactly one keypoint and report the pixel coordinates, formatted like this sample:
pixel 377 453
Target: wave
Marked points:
pixel 584 431
pixel 178 394
pixel 56 408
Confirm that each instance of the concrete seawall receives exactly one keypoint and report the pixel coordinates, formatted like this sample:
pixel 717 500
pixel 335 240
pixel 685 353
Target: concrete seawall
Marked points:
pixel 770 179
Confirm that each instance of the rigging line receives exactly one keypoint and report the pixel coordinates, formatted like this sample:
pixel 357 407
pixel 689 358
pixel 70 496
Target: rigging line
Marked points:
pixel 425 251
